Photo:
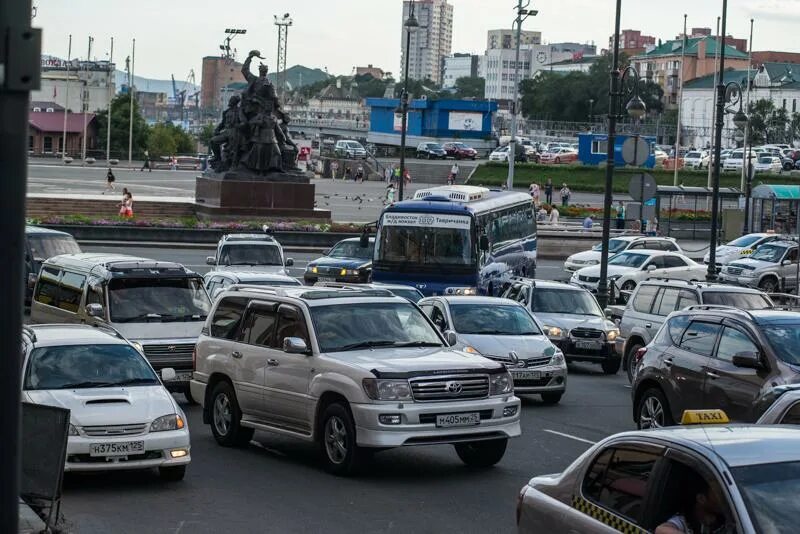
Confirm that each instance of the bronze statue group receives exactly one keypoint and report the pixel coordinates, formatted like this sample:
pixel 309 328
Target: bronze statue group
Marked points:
pixel 253 133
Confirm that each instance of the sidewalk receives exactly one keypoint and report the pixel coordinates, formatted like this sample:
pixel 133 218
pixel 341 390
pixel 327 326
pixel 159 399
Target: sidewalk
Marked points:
pixel 29 522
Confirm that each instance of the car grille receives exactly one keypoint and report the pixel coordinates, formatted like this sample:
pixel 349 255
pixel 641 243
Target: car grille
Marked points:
pixel 428 418
pixel 88 459
pixel 170 355
pixel 734 270
pixel 591 279
pixel 508 362
pixel 114 430
pixel 444 387
pixel 586 333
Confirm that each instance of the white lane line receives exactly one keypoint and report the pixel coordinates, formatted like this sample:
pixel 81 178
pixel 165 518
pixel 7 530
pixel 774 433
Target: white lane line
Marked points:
pixel 569 436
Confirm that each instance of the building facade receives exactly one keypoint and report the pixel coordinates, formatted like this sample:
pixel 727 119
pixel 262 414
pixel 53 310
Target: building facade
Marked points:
pixel 46 131
pixel 375 72
pixel 218 73
pixel 632 40
pixel 577 64
pixel 498 65
pixel 430 43
pixel 459 66
pixel 154 106
pixel 507 39
pixel 77 85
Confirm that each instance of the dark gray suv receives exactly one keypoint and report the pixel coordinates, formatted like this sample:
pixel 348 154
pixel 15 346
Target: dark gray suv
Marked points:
pixel 715 357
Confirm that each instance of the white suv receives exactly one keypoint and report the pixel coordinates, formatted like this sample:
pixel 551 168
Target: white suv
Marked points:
pixel 250 252
pixel 351 370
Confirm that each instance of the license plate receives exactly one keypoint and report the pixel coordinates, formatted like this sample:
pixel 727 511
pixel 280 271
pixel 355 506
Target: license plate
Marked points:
pixel 183 377
pixel 590 345
pixel 458 419
pixel 123 448
pixel 326 279
pixel 526 375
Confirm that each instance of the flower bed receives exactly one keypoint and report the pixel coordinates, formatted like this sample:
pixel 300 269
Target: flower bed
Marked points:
pixel 581 212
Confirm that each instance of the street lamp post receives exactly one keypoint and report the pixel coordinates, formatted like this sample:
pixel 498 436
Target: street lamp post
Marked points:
pixel 522 14
pixel 410 24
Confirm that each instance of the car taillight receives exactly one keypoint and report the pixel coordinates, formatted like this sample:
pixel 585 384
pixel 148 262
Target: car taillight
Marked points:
pixel 639 355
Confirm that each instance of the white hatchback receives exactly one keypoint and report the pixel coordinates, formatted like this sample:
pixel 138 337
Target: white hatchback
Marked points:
pixel 121 415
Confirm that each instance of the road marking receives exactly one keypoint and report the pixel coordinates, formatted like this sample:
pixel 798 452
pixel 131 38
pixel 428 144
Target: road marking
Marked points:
pixel 569 436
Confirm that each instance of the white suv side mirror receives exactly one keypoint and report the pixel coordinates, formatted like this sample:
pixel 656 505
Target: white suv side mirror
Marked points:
pixel 95 310
pixel 451 337
pixel 294 345
pixel 210 260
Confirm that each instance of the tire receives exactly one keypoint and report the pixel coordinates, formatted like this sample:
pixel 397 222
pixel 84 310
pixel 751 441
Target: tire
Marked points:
pixel 226 417
pixel 611 366
pixel 630 285
pixel 551 398
pixel 340 453
pixel 653 409
pixel 173 473
pixel 188 394
pixel 768 285
pixel 481 454
pixel 629 363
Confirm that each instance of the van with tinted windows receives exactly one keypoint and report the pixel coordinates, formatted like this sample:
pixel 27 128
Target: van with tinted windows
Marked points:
pixel 159 306
pixel 42 243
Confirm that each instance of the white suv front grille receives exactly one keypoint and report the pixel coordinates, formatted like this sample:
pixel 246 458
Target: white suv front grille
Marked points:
pixel 453 387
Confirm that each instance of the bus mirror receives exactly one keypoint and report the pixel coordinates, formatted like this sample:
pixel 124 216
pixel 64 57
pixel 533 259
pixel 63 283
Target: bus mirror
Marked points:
pixel 364 241
pixel 484 242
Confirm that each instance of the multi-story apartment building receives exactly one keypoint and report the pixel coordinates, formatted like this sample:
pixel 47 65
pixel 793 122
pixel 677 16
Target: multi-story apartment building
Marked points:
pixel 431 42
pixel 459 66
pixel 507 39
pixel 632 42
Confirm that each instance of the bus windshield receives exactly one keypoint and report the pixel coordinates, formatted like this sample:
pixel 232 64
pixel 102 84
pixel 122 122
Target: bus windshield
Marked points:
pixel 426 239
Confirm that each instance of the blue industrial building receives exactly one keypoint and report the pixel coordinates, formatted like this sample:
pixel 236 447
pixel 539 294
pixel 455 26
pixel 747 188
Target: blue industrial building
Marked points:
pixel 469 121
pixel 593 149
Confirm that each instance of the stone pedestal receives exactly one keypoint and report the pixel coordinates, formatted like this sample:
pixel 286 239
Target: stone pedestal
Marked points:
pixel 239 195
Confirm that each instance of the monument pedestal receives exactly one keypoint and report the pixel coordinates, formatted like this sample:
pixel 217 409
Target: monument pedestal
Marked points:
pixel 239 195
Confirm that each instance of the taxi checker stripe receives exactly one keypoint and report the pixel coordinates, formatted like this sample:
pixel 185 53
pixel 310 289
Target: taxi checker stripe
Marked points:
pixel 606 517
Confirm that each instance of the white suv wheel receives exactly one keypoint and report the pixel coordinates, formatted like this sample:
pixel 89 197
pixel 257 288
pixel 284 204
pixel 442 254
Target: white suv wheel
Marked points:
pixel 222 414
pixel 335 440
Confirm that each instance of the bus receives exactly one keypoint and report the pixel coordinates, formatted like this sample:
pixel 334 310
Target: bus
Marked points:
pixel 456 240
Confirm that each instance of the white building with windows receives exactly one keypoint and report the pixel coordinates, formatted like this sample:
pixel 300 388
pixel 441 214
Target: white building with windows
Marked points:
pixel 430 43
pixel 497 67
pixel 459 66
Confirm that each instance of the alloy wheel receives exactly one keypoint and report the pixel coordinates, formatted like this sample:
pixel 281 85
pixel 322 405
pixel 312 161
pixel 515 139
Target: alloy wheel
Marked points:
pixel 651 414
pixel 222 414
pixel 336 440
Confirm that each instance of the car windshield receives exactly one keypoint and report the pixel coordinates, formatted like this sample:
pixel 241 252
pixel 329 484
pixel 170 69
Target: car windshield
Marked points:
pixel 628 259
pixel 499 320
pixel 694 155
pixel 770 494
pixel 87 366
pixel 743 301
pixel 352 249
pixel 345 327
pixel 569 301
pixel 736 155
pixel 353 144
pixel 784 340
pixel 430 240
pixel 410 294
pixel 765 159
pixel 157 299
pixel 614 246
pixel 744 241
pixel 250 255
pixel 44 246
pixel 434 146
pixel 770 253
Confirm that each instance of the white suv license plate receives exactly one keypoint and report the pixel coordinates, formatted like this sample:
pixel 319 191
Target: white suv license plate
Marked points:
pixel 123 448
pixel 526 375
pixel 458 419
pixel 587 345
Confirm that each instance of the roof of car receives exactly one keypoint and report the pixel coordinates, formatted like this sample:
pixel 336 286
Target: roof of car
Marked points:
pixel 73 334
pixel 117 263
pixel 29 230
pixel 318 296
pixel 781 243
pixel 249 238
pixel 702 286
pixel 548 284
pixel 249 276
pixel 475 299
pixel 736 445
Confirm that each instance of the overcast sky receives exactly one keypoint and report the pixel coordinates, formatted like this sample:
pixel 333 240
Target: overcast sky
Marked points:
pixel 173 35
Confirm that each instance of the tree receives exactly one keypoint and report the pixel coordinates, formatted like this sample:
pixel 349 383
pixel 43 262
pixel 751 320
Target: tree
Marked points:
pixel 120 121
pixel 206 133
pixel 469 87
pixel 166 139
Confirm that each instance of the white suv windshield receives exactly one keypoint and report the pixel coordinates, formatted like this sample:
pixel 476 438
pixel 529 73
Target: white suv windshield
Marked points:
pixel 157 299
pixel 87 366
pixel 744 241
pixel 495 320
pixel 770 253
pixel 564 301
pixel 250 255
pixel 346 327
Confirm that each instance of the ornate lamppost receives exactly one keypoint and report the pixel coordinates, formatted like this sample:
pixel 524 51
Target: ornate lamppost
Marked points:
pixel 410 24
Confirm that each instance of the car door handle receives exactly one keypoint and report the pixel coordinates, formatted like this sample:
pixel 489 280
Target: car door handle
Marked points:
pixel 711 374
pixel 236 354
pixel 668 362
pixel 272 362
pixel 648 325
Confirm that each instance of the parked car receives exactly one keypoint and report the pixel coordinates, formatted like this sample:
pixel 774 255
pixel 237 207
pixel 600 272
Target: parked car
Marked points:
pixel 740 247
pixel 499 154
pixel 768 164
pixel 785 407
pixel 559 155
pixel 42 244
pixel 715 357
pixel 349 149
pixel 218 281
pixel 346 261
pixel 772 267
pixel 572 320
pixel 120 414
pixel 734 160
pixel 350 370
pixel 504 331
pixel 617 245
pixel 460 151
pixel 654 300
pixel 256 252
pixel 696 159
pixel 660 157
pixel 431 151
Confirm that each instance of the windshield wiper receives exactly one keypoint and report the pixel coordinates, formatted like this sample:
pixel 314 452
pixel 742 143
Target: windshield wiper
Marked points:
pixel 143 317
pixel 88 384
pixel 133 381
pixel 187 317
pixel 418 344
pixel 365 345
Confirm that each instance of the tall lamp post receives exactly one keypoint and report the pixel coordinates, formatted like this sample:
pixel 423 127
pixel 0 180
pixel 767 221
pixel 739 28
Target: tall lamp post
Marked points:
pixel 619 91
pixel 522 14
pixel 410 24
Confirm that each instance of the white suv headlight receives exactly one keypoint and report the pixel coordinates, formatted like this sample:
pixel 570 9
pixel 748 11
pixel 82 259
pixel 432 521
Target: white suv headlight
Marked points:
pixel 73 431
pixel 387 390
pixel 501 384
pixel 172 421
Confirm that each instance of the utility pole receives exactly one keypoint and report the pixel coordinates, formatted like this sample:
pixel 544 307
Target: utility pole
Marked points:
pixel 66 102
pixel 20 73
pixel 747 177
pixel 713 108
pixel 85 98
pixel 410 24
pixel 110 97
pixel 130 103
pixel 522 14
pixel 684 42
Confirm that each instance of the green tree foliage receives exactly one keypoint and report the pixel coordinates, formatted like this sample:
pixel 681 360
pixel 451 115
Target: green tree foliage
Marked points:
pixel 417 88
pixel 206 133
pixel 168 140
pixel 769 124
pixel 120 122
pixel 468 87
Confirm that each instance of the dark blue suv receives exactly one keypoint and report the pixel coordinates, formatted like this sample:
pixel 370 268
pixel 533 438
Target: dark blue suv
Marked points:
pixel 347 261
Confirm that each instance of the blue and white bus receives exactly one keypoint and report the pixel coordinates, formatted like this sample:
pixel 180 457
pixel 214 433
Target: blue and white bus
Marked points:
pixel 455 240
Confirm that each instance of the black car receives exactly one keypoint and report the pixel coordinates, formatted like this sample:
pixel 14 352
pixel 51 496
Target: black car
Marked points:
pixel 715 357
pixel 431 151
pixel 347 261
pixel 42 244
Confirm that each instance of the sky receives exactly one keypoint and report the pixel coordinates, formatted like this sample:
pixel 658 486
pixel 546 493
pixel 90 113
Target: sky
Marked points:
pixel 172 36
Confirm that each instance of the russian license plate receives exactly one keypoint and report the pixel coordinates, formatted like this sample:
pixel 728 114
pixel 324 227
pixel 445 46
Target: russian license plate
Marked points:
pixel 587 345
pixel 183 377
pixel 458 419
pixel 326 279
pixel 123 448
pixel 526 375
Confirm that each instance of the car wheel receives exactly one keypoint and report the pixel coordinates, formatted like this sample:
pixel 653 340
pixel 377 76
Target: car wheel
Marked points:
pixel 551 398
pixel 653 410
pixel 338 438
pixel 768 285
pixel 611 366
pixel 630 364
pixel 226 417
pixel 173 473
pixel 481 453
pixel 187 392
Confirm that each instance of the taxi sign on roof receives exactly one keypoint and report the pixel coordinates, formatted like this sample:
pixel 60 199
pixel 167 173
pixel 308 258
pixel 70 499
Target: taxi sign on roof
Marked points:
pixel 704 417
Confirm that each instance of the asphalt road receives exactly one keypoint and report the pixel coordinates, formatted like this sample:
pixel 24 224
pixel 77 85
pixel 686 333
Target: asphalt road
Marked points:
pixel 277 485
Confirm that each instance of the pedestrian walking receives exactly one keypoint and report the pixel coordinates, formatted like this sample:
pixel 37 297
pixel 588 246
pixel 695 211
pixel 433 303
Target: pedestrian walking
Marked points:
pixel 110 179
pixel 554 214
pixel 533 189
pixel 360 174
pixel 548 191
pixel 126 205
pixel 146 164
pixel 565 194
pixel 334 169
pixel 453 178
pixel 396 175
pixel 407 177
pixel 387 174
pixel 174 163
pixel 390 191
pixel 620 216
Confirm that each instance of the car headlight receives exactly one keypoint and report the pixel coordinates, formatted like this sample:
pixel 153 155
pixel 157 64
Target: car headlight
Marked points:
pixel 348 272
pixel 387 390
pixel 72 430
pixel 313 269
pixel 558 358
pixel 461 291
pixel 172 421
pixel 472 350
pixel 614 277
pixel 748 274
pixel 553 331
pixel 501 384
pixel 612 335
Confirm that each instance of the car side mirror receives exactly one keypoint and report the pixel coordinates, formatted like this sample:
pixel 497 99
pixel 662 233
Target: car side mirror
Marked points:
pixel 747 360
pixel 484 242
pixel 294 345
pixel 32 280
pixel 451 338
pixel 785 262
pixel 168 374
pixel 608 313
pixel 651 268
pixel 95 310
pixel 289 262
pixel 210 260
